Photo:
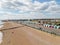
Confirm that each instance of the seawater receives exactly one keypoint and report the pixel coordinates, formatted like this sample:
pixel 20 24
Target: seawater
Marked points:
pixel 1 34
pixel 1 24
pixel 1 37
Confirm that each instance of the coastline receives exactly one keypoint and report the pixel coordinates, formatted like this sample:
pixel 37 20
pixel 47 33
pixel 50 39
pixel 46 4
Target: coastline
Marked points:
pixel 27 36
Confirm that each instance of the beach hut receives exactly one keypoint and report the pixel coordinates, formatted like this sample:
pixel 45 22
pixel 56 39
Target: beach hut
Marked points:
pixel 58 27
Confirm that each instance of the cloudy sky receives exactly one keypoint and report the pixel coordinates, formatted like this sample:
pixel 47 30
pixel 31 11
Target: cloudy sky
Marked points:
pixel 26 9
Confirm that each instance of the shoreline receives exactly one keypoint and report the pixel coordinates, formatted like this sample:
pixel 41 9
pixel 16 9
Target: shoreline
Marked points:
pixel 27 36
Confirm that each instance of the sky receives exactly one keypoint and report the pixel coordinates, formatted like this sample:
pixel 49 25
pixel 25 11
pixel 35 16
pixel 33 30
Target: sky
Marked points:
pixel 29 9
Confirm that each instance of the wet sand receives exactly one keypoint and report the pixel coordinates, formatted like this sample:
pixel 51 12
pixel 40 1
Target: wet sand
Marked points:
pixel 24 35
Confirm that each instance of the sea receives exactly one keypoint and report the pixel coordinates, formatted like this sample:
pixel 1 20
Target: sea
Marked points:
pixel 1 24
pixel 1 33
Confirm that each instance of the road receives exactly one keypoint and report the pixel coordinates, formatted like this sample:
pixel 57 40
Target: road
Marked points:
pixel 24 35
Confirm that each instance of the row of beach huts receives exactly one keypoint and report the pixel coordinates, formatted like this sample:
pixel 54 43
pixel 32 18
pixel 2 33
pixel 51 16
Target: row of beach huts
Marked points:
pixel 51 26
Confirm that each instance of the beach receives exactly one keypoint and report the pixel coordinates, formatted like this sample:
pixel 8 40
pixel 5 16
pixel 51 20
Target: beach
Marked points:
pixel 18 34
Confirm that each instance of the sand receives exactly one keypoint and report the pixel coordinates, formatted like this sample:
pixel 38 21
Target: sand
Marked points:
pixel 23 35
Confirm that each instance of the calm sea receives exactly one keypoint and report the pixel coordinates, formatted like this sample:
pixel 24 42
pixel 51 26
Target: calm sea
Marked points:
pixel 1 33
pixel 1 24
